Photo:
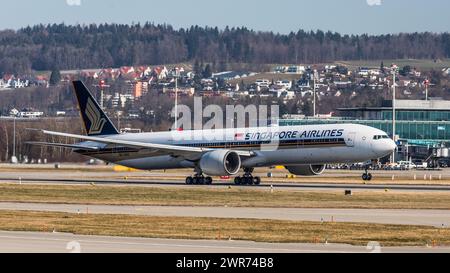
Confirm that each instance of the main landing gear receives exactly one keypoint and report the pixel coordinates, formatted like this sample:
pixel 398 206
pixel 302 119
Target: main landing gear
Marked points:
pixel 247 178
pixel 199 179
pixel 367 176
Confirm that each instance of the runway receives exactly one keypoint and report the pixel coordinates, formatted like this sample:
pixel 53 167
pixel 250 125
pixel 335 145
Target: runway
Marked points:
pixel 36 242
pixel 178 183
pixel 58 242
pixel 329 181
pixel 437 218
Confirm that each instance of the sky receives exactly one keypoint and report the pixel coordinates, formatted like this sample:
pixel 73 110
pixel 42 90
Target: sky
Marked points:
pixel 280 16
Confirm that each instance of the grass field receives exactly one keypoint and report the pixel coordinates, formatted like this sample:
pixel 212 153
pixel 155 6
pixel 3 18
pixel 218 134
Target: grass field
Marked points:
pixel 232 197
pixel 223 229
pixel 425 64
pixel 420 64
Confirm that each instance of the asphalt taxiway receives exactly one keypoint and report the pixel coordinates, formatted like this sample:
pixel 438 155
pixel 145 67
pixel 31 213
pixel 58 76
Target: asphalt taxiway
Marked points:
pixel 414 181
pixel 59 242
pixel 436 218
pixel 282 186
pixel 37 242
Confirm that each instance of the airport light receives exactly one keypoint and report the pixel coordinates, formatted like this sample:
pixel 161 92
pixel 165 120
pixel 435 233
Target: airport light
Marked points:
pixel 176 98
pixel 394 70
pixel 119 113
pixel 14 158
pixel 427 83
pixel 102 84
pixel 315 76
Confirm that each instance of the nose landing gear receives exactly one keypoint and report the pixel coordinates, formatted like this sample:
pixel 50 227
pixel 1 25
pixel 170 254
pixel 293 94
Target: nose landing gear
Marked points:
pixel 367 176
pixel 247 178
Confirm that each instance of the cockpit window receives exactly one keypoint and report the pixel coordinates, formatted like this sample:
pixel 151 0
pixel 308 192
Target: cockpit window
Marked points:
pixel 376 137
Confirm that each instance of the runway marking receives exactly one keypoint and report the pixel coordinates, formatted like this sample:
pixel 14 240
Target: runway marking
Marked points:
pixel 317 185
pixel 312 248
pixel 160 244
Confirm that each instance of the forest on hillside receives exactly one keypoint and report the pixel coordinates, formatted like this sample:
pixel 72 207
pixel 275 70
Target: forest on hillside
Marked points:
pixel 60 46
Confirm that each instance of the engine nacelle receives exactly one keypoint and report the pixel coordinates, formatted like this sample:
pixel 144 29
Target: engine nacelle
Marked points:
pixel 306 170
pixel 220 163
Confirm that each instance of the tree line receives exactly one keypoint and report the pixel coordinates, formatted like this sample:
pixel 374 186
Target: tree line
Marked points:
pixel 60 46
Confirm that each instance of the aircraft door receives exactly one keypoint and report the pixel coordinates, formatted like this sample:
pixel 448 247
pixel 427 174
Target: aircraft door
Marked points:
pixel 350 140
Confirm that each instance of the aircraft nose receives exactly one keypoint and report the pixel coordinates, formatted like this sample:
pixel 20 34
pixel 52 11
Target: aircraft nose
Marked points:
pixel 389 147
pixel 392 145
pixel 385 148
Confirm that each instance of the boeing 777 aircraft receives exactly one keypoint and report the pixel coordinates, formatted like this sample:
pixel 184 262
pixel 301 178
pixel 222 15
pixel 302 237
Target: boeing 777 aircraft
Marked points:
pixel 303 150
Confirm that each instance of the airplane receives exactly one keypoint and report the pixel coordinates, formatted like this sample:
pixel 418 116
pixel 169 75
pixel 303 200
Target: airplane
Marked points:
pixel 303 150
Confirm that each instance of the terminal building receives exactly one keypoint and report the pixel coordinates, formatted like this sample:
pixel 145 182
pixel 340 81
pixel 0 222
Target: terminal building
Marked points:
pixel 422 127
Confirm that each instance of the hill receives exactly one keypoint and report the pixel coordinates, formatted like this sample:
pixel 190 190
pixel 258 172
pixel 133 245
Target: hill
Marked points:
pixel 65 47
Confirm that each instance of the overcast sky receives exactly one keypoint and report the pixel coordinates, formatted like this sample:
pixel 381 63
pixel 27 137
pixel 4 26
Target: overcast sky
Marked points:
pixel 344 16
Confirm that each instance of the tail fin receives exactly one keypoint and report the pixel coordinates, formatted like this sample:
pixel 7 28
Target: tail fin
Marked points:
pixel 95 120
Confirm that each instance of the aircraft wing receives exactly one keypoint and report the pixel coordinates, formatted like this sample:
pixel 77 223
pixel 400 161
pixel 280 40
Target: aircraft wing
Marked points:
pixel 173 149
pixel 61 145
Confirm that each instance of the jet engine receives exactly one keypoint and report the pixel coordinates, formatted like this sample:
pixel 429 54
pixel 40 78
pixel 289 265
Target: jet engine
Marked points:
pixel 220 163
pixel 306 170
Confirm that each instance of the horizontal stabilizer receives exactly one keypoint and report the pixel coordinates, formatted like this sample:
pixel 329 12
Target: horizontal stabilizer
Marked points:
pixel 61 145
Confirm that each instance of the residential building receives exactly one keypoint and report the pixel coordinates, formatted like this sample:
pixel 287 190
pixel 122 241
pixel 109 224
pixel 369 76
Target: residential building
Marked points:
pixel 296 69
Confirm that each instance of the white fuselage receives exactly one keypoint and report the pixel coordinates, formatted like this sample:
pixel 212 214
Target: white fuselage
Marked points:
pixel 287 145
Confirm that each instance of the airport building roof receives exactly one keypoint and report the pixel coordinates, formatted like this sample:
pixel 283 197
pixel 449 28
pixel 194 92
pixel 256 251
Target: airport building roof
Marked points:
pixel 419 105
pixel 418 121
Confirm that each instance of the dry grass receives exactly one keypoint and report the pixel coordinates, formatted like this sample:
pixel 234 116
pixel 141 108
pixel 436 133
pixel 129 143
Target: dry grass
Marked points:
pixel 232 197
pixel 223 229
pixel 64 169
pixel 421 64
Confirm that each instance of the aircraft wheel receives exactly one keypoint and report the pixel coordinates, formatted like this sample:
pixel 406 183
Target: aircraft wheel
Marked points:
pixel 189 180
pixel 208 180
pixel 369 177
pixel 364 177
pixel 248 180
pixel 237 180
pixel 257 180
pixel 200 180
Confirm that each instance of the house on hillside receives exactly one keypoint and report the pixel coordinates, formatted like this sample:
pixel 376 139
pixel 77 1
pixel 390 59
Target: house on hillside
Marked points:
pixel 126 70
pixel 281 69
pixel 286 83
pixel 6 81
pixel 296 69
pixel 11 82
pixel 120 100
pixel 110 73
pixel 26 113
pixel 446 71
pixel 90 74
pixel 19 83
pixel 144 71
pixel 160 72
pixel 4 84
pixel 41 81
pixel 176 71
pixel 363 72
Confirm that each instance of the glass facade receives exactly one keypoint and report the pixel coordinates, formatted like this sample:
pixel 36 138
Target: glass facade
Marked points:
pixel 410 115
pixel 418 122
pixel 415 132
